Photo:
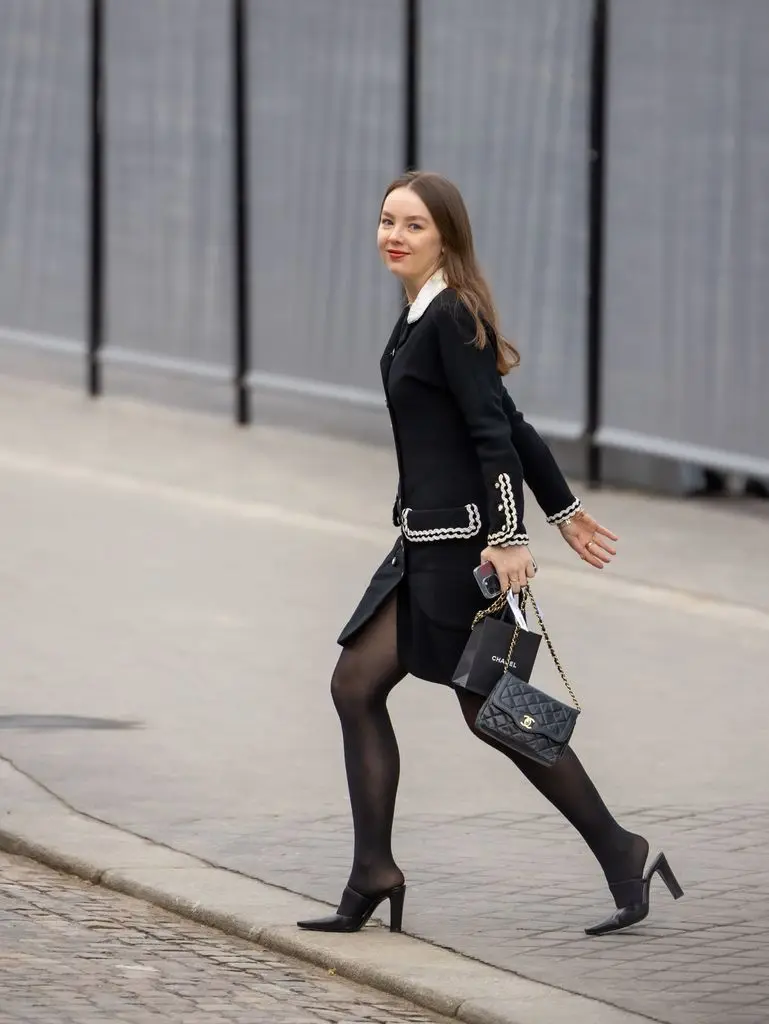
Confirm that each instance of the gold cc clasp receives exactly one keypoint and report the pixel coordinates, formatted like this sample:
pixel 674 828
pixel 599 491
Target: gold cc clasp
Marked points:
pixel 527 721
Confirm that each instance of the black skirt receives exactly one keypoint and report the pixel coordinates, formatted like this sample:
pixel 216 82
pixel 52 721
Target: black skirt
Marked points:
pixel 437 600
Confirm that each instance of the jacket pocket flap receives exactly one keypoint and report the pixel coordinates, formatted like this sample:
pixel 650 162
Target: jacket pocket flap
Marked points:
pixel 531 710
pixel 431 524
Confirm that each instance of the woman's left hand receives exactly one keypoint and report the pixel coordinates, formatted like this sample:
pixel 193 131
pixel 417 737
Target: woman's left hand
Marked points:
pixel 589 539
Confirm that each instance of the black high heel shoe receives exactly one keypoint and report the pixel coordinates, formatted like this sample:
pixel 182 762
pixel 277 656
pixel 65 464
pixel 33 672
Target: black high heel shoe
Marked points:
pixel 632 897
pixel 355 910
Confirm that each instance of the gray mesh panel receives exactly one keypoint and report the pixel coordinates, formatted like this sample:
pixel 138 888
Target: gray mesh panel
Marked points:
pixel 686 365
pixel 326 112
pixel 169 157
pixel 43 155
pixel 504 114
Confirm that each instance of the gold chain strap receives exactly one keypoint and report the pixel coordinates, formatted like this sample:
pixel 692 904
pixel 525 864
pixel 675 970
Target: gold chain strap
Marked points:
pixel 498 605
pixel 558 664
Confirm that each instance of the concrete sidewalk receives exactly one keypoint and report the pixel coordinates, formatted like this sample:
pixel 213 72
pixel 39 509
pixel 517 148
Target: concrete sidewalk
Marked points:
pixel 161 676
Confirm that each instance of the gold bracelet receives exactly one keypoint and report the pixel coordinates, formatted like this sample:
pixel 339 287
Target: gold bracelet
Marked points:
pixel 575 515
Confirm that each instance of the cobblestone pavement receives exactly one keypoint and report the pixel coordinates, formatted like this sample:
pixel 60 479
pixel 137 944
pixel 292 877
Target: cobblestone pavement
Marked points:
pixel 518 889
pixel 71 953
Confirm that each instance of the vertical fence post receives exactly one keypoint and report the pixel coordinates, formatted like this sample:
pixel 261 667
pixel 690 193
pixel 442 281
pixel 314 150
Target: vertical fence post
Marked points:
pixel 96 254
pixel 596 231
pixel 241 187
pixel 411 92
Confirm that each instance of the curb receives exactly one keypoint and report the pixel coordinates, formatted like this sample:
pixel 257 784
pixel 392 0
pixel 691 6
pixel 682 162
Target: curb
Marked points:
pixel 38 825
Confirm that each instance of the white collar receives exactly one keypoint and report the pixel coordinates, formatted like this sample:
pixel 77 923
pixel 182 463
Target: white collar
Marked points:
pixel 432 288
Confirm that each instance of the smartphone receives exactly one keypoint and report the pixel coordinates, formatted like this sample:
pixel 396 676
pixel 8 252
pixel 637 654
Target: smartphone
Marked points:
pixel 487 579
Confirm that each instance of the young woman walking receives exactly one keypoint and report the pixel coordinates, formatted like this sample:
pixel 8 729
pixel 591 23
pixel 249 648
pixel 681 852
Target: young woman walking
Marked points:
pixel 463 453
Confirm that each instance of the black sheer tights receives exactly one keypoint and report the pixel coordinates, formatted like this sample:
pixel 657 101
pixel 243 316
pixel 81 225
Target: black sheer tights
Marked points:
pixel 569 789
pixel 365 674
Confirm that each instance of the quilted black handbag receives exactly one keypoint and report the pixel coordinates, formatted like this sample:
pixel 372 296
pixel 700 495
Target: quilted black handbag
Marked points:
pixel 523 718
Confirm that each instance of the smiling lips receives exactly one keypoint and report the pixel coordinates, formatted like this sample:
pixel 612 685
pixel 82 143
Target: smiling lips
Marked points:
pixel 396 254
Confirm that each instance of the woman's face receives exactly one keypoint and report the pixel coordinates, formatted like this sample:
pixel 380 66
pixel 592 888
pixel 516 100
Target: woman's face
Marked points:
pixel 408 240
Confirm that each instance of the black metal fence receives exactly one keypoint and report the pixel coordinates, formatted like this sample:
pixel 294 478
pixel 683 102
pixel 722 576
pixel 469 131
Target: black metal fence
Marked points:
pixel 614 153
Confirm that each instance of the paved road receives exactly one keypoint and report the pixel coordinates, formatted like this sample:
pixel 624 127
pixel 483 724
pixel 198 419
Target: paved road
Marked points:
pixel 160 674
pixel 71 953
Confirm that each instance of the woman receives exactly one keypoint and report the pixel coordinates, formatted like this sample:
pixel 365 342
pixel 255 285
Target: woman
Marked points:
pixel 463 452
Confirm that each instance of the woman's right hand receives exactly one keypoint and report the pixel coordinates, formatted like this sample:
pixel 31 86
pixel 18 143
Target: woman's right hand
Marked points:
pixel 514 565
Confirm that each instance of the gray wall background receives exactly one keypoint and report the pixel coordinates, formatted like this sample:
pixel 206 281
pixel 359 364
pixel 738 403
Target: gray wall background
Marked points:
pixel 170 293
pixel 686 366
pixel 43 187
pixel 326 138
pixel 511 130
pixel 503 110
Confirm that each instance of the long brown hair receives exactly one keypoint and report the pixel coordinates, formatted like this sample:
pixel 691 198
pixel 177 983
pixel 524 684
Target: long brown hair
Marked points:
pixel 458 262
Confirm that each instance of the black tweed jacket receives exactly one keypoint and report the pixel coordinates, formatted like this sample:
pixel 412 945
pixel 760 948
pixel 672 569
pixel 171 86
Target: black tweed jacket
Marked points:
pixel 463 448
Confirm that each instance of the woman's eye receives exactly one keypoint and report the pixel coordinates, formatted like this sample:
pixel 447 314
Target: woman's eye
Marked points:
pixel 415 227
pixel 385 222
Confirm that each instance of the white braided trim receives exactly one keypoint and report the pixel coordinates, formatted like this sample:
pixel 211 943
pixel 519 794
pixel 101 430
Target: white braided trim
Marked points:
pixel 445 533
pixel 560 517
pixel 507 533
pixel 522 539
